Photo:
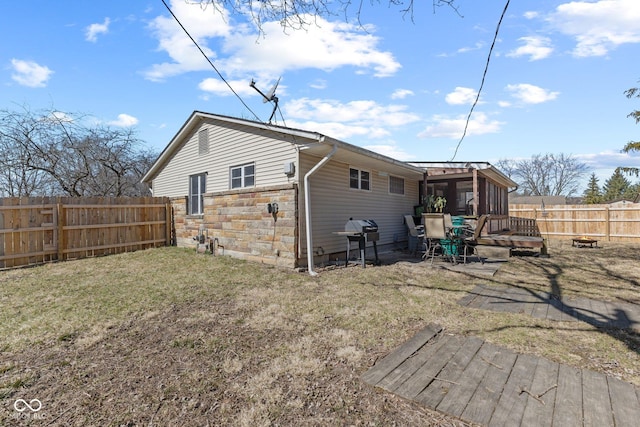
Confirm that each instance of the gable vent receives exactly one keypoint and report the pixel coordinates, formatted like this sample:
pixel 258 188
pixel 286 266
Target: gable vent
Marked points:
pixel 203 142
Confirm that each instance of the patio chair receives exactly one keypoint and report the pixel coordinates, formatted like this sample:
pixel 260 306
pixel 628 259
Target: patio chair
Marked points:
pixel 471 243
pixel 448 223
pixel 435 233
pixel 416 232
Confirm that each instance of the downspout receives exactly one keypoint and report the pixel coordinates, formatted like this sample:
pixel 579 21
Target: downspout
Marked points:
pixel 307 205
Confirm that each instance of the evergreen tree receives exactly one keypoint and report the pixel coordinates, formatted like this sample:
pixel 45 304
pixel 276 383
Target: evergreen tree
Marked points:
pixel 632 192
pixel 615 187
pixel 632 146
pixel 592 194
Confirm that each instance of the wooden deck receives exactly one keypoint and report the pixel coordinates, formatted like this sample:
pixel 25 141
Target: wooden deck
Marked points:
pixel 511 241
pixel 482 383
pixel 542 305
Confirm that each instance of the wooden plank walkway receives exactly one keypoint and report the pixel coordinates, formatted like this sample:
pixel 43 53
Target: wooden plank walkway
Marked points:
pixel 542 305
pixel 488 385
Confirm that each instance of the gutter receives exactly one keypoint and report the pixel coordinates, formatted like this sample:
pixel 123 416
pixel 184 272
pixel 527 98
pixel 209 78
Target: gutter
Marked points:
pixel 307 205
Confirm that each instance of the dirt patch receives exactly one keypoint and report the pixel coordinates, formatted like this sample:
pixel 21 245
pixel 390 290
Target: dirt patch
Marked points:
pixel 166 337
pixel 185 367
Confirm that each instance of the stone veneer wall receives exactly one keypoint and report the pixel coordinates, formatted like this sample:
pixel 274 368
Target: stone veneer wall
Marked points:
pixel 240 221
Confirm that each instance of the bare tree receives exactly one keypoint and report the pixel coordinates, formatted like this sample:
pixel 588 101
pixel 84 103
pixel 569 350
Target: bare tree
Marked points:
pixel 507 167
pixel 546 175
pixel 16 178
pixel 300 14
pixel 68 157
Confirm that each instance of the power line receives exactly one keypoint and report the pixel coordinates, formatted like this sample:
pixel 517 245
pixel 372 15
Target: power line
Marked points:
pixel 484 75
pixel 209 61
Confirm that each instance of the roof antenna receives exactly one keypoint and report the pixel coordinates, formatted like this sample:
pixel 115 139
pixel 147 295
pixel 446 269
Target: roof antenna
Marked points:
pixel 269 97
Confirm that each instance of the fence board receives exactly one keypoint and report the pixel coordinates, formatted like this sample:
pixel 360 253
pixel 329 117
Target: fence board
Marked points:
pixel 38 230
pixel 608 222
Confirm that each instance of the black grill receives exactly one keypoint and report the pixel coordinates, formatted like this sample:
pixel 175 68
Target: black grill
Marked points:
pixel 361 226
pixel 361 231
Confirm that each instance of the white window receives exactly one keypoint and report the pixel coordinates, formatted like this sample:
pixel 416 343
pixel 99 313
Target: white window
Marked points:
pixel 396 185
pixel 359 179
pixel 243 176
pixel 197 188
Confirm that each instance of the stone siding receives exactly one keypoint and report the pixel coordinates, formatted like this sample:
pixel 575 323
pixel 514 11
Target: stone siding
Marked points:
pixel 242 225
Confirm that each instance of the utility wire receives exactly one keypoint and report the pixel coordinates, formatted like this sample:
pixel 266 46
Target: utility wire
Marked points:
pixel 484 75
pixel 209 61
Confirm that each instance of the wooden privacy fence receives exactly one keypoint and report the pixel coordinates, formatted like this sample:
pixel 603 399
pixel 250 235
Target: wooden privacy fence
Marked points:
pixel 43 229
pixel 607 222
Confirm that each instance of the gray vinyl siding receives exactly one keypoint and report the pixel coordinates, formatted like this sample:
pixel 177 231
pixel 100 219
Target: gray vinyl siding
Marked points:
pixel 229 145
pixel 333 203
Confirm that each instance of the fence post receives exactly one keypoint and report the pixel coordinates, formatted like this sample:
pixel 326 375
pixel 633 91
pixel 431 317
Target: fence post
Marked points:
pixel 167 225
pixel 61 241
pixel 608 224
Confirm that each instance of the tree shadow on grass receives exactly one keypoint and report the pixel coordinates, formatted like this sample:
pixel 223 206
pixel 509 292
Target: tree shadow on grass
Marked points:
pixel 539 282
pixel 617 319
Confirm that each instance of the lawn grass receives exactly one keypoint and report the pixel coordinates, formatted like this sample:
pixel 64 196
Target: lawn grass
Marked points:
pixel 165 336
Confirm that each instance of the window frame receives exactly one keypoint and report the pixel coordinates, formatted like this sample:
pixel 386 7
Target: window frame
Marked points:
pixel 402 180
pixel 243 176
pixel 196 200
pixel 360 181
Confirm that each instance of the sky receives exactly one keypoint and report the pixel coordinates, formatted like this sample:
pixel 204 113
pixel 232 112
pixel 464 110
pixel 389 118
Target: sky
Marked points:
pixel 395 83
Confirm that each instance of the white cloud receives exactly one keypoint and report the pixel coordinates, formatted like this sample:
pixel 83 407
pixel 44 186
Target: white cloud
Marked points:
pixel 609 159
pixel 124 120
pixel 29 73
pixel 58 117
pixel 461 96
pixel 360 112
pixel 345 120
pixel 319 84
pixel 531 14
pixel 324 45
pixel 464 49
pixel 93 30
pixel 604 163
pixel 220 88
pixel 599 26
pixel 401 93
pixel 242 51
pixel 339 130
pixel 477 46
pixel 530 94
pixel 185 57
pixel 446 127
pixel 390 150
pixel 536 47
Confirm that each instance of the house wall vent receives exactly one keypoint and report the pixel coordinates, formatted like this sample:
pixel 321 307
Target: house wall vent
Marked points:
pixel 203 142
